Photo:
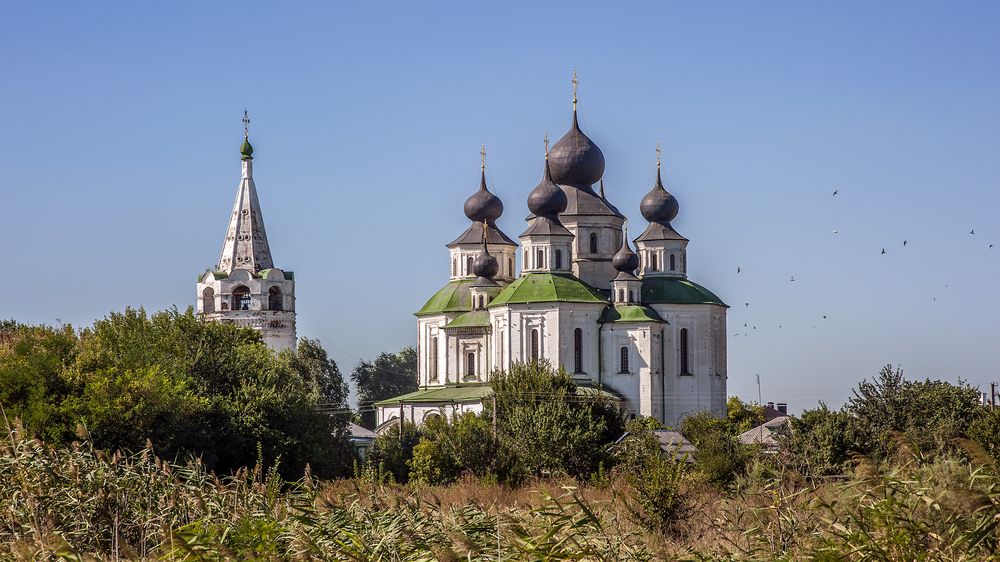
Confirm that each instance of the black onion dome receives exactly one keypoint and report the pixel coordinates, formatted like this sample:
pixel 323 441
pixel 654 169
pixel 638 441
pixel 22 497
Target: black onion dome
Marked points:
pixel 625 260
pixel 659 205
pixel 483 205
pixel 576 160
pixel 485 265
pixel 547 200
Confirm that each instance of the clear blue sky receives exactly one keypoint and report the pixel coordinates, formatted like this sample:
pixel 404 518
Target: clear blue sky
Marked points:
pixel 120 129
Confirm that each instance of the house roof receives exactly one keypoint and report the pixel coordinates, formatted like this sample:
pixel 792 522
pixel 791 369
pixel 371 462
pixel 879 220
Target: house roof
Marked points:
pixel 764 434
pixel 360 433
pixel 672 441
pixel 547 287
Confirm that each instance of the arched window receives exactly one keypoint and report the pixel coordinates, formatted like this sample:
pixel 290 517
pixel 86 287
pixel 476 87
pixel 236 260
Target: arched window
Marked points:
pixel 652 262
pixel 621 295
pixel 558 259
pixel 454 268
pixel 672 262
pixel 534 345
pixel 578 350
pixel 468 265
pixel 208 300
pixel 624 359
pixel 631 298
pixel 540 259
pixel 524 260
pixel 684 351
pixel 274 300
pixel 480 301
pixel 434 359
pixel 241 298
pixel 472 364
pixel 510 266
pixel 593 242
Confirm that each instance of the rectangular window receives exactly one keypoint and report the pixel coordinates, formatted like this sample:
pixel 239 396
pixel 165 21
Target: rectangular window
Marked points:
pixel 684 351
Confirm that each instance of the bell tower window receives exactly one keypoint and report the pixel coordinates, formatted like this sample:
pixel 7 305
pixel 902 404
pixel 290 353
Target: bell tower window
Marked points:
pixel 208 300
pixel 558 259
pixel 540 260
pixel 241 298
pixel 631 298
pixel 510 266
pixel 593 242
pixel 684 351
pixel 652 262
pixel 621 295
pixel 274 300
pixel 673 263
pixel 578 350
pixel 468 265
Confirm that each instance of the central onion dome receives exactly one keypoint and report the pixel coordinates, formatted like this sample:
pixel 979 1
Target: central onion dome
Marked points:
pixel 659 205
pixel 576 160
pixel 483 205
pixel 625 260
pixel 547 200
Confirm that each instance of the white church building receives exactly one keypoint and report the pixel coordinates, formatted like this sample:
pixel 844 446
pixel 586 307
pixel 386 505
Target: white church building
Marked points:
pixel 244 287
pixel 628 323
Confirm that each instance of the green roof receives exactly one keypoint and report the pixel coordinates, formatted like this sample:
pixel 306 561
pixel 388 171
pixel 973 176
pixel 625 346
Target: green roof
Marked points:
pixel 217 274
pixel 454 297
pixel 470 393
pixel 547 287
pixel 676 290
pixel 630 313
pixel 473 319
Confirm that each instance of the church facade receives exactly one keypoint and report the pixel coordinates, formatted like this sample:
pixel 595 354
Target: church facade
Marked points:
pixel 626 322
pixel 244 287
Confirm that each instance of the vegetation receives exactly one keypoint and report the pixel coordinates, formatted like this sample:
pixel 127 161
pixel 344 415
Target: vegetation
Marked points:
pixel 189 389
pixel 389 375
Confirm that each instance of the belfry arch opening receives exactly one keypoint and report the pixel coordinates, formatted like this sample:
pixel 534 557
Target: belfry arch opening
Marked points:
pixel 241 298
pixel 208 300
pixel 274 299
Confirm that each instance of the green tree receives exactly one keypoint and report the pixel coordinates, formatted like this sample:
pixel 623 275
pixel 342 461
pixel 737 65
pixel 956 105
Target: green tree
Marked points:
pixel 391 374
pixel 655 499
pixel 554 426
pixel 720 457
pixel 465 442
pixel 392 453
pixel 822 440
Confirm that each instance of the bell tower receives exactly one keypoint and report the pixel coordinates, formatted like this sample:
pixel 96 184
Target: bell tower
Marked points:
pixel 245 288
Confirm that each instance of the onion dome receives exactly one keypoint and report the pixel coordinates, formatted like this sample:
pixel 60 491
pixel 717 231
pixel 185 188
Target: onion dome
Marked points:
pixel 625 260
pixel 483 205
pixel 485 265
pixel 576 160
pixel 547 200
pixel 659 205
pixel 246 150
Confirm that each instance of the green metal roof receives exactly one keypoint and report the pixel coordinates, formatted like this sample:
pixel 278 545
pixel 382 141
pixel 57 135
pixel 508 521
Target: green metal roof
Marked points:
pixel 676 290
pixel 630 313
pixel 470 393
pixel 454 297
pixel 473 319
pixel 217 274
pixel 547 287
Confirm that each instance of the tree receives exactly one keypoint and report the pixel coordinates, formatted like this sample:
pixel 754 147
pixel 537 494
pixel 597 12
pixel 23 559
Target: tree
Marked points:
pixel 390 375
pixel 465 442
pixel 720 457
pixel 822 441
pixel 553 427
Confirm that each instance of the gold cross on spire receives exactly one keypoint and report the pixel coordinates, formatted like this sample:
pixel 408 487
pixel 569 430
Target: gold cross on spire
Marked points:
pixel 486 232
pixel 546 144
pixel 575 84
pixel 246 126
pixel 657 154
pixel 483 154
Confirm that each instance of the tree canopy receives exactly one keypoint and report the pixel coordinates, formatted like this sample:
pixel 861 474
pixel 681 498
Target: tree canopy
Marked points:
pixel 389 375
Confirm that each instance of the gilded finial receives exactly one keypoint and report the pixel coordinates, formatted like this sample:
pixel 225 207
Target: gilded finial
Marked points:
pixel 575 84
pixel 546 144
pixel 483 154
pixel 486 232
pixel 657 154
pixel 246 126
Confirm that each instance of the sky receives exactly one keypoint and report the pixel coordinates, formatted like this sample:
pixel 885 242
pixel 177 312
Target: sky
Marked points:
pixel 120 127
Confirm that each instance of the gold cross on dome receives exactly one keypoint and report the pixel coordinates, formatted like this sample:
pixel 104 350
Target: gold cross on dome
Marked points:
pixel 575 84
pixel 483 154
pixel 246 126
pixel 546 144
pixel 657 154
pixel 486 232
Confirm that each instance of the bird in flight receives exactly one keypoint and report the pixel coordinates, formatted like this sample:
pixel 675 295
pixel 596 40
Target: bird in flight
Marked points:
pixel 973 231
pixel 834 231
pixel 883 250
pixel 793 279
pixel 904 242
pixel 991 246
pixel 744 324
pixel 834 192
pixel 824 317
pixel 748 305
pixel 738 269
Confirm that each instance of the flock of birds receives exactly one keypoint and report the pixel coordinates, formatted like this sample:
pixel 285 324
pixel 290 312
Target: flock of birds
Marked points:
pixel 739 269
